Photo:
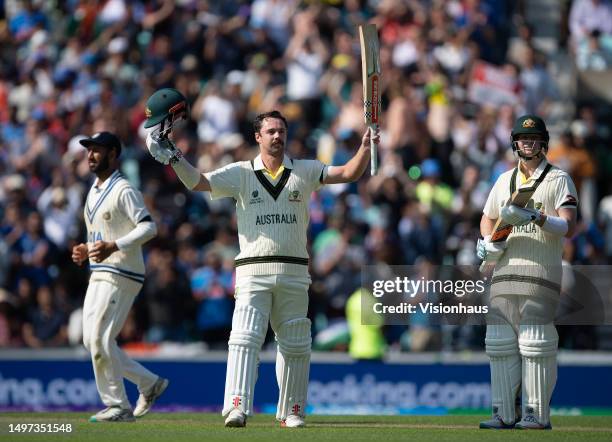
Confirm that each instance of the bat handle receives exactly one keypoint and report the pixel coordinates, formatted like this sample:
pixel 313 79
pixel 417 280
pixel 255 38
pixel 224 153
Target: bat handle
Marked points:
pixel 373 151
pixel 486 266
pixel 483 266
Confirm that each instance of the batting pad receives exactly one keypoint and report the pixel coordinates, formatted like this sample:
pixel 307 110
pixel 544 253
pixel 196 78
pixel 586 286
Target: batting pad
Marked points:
pixel 249 327
pixel 501 345
pixel 292 367
pixel 538 346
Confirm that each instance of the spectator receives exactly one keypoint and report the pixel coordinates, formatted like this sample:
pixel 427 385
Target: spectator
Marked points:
pixel 168 300
pixel 587 16
pixel 60 216
pixel 306 56
pixel 35 251
pixel 213 288
pixel 538 86
pixel 46 326
pixel 572 155
pixel 595 52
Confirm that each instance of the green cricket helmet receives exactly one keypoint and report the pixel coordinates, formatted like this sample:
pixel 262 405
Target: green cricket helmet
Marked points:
pixel 529 125
pixel 165 107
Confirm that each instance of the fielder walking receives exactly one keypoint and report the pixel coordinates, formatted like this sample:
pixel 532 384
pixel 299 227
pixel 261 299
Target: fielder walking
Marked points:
pixel 272 193
pixel 118 224
pixel 521 339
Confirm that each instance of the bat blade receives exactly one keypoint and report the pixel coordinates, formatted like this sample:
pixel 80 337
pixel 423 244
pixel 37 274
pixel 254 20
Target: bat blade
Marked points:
pixel 519 198
pixel 370 70
pixel 502 230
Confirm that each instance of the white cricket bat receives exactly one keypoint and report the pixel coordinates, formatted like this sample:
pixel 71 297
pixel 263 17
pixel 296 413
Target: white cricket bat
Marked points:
pixel 370 69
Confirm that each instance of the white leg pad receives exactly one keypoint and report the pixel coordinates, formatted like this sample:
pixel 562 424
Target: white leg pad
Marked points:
pixel 249 327
pixel 503 351
pixel 538 346
pixel 292 367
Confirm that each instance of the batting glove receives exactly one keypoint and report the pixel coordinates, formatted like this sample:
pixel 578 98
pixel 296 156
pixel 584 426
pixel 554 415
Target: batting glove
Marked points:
pixel 489 251
pixel 518 216
pixel 162 150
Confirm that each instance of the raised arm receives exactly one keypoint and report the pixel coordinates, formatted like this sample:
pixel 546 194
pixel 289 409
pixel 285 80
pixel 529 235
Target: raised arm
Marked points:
pixel 354 168
pixel 164 151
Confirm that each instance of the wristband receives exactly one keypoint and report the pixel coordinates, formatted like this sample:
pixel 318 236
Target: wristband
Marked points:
pixel 555 225
pixel 189 175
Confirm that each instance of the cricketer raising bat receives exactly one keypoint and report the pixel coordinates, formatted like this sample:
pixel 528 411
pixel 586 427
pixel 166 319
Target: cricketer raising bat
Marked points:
pixel 520 197
pixel 370 69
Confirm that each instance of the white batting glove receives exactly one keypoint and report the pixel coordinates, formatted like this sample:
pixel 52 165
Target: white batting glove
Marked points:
pixel 489 251
pixel 163 151
pixel 518 216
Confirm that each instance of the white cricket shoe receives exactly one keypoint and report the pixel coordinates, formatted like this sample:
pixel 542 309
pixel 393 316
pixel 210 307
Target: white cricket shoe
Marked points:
pixel 113 414
pixel 146 400
pixel 236 419
pixel 529 422
pixel 293 421
pixel 496 423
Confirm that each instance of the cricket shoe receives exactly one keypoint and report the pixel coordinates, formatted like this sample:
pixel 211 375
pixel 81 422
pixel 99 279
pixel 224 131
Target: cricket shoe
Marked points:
pixel 496 423
pixel 113 414
pixel 236 419
pixel 293 421
pixel 146 400
pixel 529 422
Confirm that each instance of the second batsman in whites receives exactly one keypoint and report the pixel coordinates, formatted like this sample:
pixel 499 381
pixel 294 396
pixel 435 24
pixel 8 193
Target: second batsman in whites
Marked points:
pixel 521 339
pixel 272 193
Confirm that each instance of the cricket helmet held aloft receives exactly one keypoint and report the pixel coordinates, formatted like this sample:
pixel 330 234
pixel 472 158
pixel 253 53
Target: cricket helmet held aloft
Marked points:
pixel 165 106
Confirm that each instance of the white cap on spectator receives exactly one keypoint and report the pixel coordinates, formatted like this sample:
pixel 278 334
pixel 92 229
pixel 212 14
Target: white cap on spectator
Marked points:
pixel 74 146
pixel 58 195
pixel 234 78
pixel 75 149
pixel 230 141
pixel 39 38
pixel 579 129
pixel 117 45
pixel 6 297
pixel 14 182
pixel 189 63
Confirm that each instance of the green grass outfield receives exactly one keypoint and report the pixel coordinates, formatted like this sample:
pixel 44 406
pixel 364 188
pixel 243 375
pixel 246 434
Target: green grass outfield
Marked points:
pixel 175 427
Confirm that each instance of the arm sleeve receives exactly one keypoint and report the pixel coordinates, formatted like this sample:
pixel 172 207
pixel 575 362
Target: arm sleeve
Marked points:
pixel 317 172
pixel 491 208
pixel 566 195
pixel 132 204
pixel 139 235
pixel 224 182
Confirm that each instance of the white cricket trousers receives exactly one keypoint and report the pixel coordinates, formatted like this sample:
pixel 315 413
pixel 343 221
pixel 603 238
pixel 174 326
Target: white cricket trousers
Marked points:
pixel 279 299
pixel 105 310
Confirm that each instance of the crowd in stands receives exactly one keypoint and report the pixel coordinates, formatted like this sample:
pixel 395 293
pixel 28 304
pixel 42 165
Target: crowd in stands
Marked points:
pixel 71 68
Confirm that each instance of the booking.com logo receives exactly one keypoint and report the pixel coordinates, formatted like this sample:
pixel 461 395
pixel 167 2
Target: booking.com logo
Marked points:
pixel 58 392
pixel 370 391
